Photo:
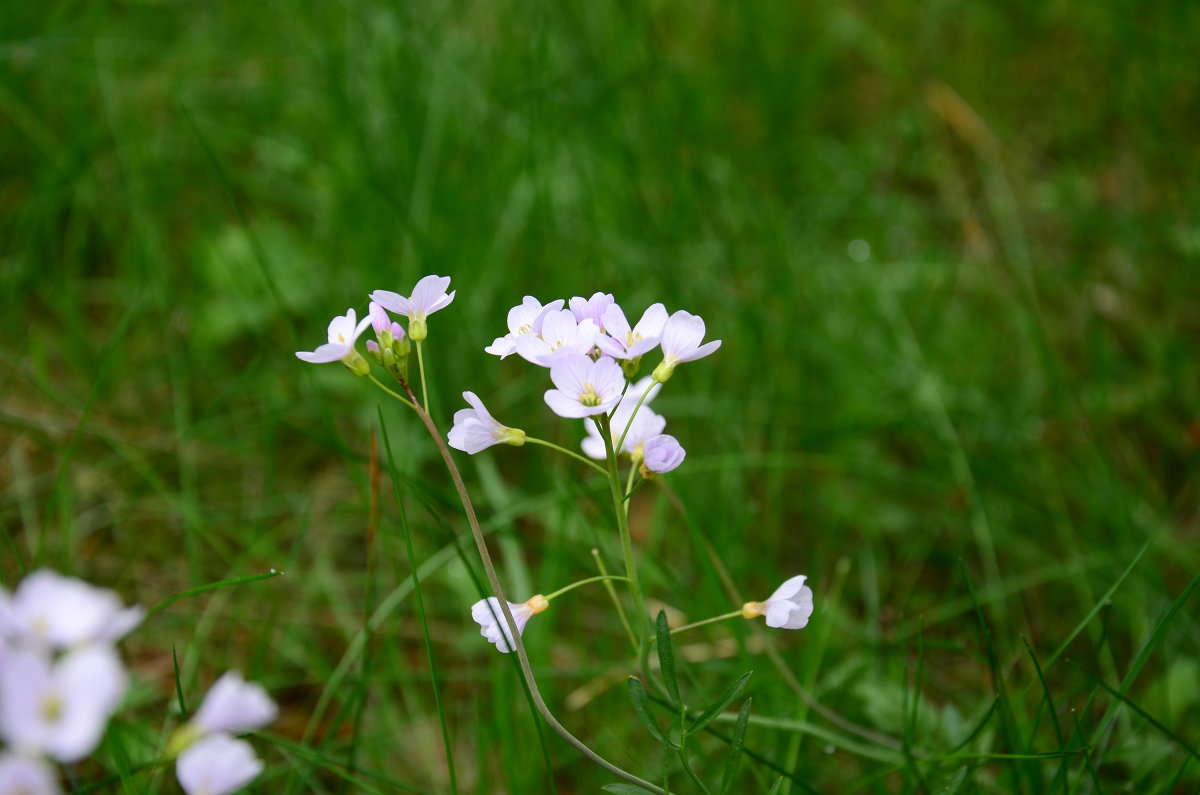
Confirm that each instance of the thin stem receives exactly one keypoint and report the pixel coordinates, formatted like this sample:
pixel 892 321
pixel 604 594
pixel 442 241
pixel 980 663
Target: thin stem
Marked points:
pixel 713 620
pixel 553 446
pixel 612 593
pixel 614 483
pixel 629 424
pixel 396 395
pixel 603 578
pixel 421 367
pixel 490 570
pixel 629 486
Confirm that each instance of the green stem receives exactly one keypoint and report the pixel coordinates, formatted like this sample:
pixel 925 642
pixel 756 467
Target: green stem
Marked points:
pixel 713 620
pixel 629 486
pixel 612 593
pixel 629 424
pixel 421 367
pixel 614 483
pixel 396 395
pixel 553 446
pixel 603 578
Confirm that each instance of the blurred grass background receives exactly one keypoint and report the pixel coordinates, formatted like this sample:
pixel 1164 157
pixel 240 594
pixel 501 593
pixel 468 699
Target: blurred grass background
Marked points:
pixel 951 248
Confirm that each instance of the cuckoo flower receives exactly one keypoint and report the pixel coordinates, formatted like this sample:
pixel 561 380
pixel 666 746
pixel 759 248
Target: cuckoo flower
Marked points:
pixel 591 308
pixel 585 387
pixel 788 608
pixel 217 765
pixel 383 324
pixel 21 775
pixel 526 318
pixel 624 342
pixel 661 454
pixel 343 333
pixel 234 705
pixel 475 429
pixel 490 617
pixel 48 609
pixel 681 336
pixel 646 423
pixel 427 297
pixel 561 335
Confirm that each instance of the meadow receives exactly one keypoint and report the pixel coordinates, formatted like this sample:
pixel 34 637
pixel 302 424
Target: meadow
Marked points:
pixel 952 251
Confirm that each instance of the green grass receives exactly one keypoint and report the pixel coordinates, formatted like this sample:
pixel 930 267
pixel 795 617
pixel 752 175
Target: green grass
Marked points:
pixel 965 439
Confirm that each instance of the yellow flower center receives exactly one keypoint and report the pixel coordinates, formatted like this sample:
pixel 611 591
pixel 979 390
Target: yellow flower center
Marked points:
pixel 52 708
pixel 589 396
pixel 525 329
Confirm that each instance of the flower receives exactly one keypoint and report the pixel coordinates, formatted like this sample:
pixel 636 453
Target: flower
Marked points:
pixel 591 308
pixel 475 430
pixel 234 705
pixel 680 343
pixel 624 342
pixel 661 454
pixel 59 708
pixel 26 776
pixel 217 765
pixel 646 422
pixel 490 617
pixel 585 387
pixel 428 296
pixel 561 335
pixel 788 608
pixel 525 318
pixel 343 333
pixel 382 323
pixel 59 612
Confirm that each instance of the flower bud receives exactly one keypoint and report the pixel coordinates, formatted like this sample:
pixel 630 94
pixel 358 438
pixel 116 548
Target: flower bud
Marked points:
pixel 357 364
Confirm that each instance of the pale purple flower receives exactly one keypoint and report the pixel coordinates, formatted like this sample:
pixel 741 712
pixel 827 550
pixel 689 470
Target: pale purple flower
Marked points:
pixel 59 708
pixel 217 765
pixel 234 705
pixel 624 342
pixel 585 387
pixel 381 322
pixel 591 308
pixel 646 422
pixel 427 297
pixel 525 318
pixel 681 337
pixel 475 429
pixel 343 333
pixel 490 617
pixel 20 775
pixel 662 453
pixel 561 335
pixel 51 610
pixel 788 608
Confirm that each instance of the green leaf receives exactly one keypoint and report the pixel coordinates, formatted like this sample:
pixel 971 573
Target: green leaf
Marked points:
pixel 735 747
pixel 710 714
pixel 641 706
pixel 666 658
pixel 777 788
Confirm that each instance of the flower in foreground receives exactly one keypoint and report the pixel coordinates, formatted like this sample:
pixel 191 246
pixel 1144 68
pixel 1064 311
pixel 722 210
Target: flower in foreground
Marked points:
pixel 646 423
pixel 428 296
pixel 217 765
pixel 475 429
pixel 681 337
pixel 561 335
pixel 585 387
pixel 49 609
pixel 625 342
pixel 21 775
pixel 525 318
pixel 343 333
pixel 490 617
pixel 591 308
pixel 788 608
pixel 661 454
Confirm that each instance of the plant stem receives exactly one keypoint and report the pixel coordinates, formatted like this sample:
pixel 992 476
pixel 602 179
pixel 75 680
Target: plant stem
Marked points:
pixel 396 395
pixel 612 593
pixel 421 368
pixel 553 446
pixel 603 578
pixel 629 424
pixel 713 620
pixel 614 484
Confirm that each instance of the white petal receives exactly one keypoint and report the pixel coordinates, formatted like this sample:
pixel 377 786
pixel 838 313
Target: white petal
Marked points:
pixel 20 775
pixel 790 588
pixel 571 373
pixel 392 302
pixel 502 346
pixel 25 683
pixel 608 379
pixel 614 322
pixel 652 322
pixel 533 349
pixel 235 705
pixel 477 404
pixel 682 332
pixel 217 765
pixel 701 352
pixel 430 290
pixel 569 407
pixel 324 354
pixel 91 683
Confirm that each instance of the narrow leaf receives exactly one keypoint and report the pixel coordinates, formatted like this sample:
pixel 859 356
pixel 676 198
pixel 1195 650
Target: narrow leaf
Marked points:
pixel 735 747
pixel 666 658
pixel 718 706
pixel 641 706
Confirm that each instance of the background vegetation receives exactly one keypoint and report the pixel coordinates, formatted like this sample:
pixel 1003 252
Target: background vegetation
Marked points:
pixel 951 248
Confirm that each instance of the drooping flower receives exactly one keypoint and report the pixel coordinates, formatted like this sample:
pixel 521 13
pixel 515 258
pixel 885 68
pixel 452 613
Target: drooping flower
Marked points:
pixel 490 617
pixel 48 609
pixel 217 765
pixel 681 336
pixel 20 775
pixel 591 308
pixel 561 335
pixel 788 608
pixel 59 708
pixel 234 705
pixel 525 318
pixel 646 423
pixel 343 333
pixel 428 296
pixel 475 429
pixel 623 342
pixel 585 387
pixel 661 454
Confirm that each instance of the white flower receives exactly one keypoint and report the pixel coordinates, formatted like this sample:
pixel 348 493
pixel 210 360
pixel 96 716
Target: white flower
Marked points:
pixel 525 318
pixel 343 333
pixel 646 423
pixel 561 335
pixel 234 705
pixel 490 617
pixel 52 610
pixel 381 322
pixel 662 453
pixel 427 297
pixel 217 765
pixel 788 608
pixel 21 775
pixel 591 308
pixel 584 387
pixel 60 709
pixel 681 336
pixel 624 342
pixel 475 429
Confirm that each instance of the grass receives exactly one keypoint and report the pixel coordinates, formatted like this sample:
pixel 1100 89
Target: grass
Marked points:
pixel 953 255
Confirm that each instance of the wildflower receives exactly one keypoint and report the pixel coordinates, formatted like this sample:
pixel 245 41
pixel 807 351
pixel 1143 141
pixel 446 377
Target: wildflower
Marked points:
pixel 21 775
pixel 591 308
pixel 428 296
pixel 661 454
pixel 525 318
pixel 681 336
pixel 475 430
pixel 788 608
pixel 490 617
pixel 390 349
pixel 234 705
pixel 585 387
pixel 624 342
pixel 343 333
pixel 646 422
pixel 561 335
pixel 59 708
pixel 217 765
pixel 48 609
